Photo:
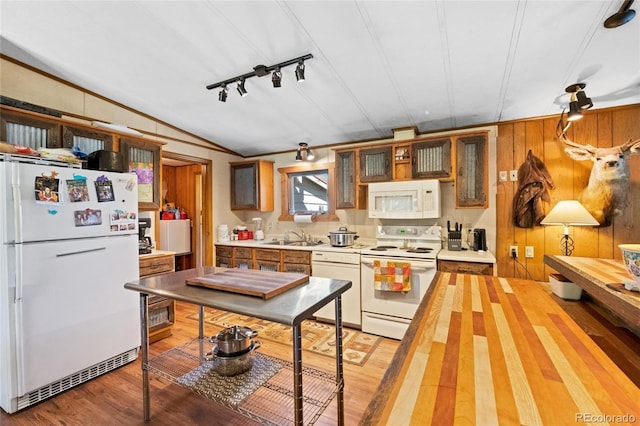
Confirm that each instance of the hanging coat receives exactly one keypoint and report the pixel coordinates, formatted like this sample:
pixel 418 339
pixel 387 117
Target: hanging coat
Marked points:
pixel 534 181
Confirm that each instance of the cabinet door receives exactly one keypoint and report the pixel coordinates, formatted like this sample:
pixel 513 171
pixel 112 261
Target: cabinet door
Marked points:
pixel 431 159
pixel 471 171
pixel 244 186
pixel 266 265
pixel 143 158
pixel 86 140
pixel 346 180
pixel 23 130
pixel 375 164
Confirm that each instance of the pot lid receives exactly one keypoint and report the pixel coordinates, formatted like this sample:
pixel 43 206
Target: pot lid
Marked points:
pixel 342 230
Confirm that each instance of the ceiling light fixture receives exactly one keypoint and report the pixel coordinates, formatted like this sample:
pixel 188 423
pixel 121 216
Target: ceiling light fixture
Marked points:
pixel 304 153
pixel 222 95
pixel 578 102
pixel 621 17
pixel 241 89
pixel 276 78
pixel 262 70
pixel 300 71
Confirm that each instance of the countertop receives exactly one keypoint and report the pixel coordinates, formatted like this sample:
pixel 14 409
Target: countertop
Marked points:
pixel 155 253
pixel 489 350
pixel 603 279
pixel 467 256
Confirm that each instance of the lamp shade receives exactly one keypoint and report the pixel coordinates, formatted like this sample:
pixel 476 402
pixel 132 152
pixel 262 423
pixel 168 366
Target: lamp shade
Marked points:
pixel 569 213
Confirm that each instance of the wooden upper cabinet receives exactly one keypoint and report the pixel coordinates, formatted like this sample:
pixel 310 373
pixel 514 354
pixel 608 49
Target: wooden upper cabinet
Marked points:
pixel 346 174
pixel 28 131
pixel 375 164
pixel 143 158
pixel 86 140
pixel 431 159
pixel 252 185
pixel 471 171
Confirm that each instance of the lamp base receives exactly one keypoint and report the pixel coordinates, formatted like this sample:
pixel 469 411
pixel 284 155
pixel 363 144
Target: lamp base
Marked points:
pixel 566 245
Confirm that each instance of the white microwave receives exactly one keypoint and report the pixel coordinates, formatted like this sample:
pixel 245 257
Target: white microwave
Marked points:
pixel 414 199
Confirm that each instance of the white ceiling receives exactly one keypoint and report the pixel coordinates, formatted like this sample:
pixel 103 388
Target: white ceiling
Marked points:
pixel 377 65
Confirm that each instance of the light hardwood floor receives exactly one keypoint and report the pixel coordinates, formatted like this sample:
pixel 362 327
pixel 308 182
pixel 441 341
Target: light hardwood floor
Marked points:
pixel 116 397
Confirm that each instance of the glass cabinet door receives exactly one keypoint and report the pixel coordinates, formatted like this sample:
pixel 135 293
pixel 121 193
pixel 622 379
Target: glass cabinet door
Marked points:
pixel 345 180
pixel 431 159
pixel 143 158
pixel 471 171
pixel 244 186
pixel 22 130
pixel 375 164
pixel 86 140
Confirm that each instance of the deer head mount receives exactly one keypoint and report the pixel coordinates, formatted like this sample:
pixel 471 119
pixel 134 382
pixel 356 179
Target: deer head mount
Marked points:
pixel 606 193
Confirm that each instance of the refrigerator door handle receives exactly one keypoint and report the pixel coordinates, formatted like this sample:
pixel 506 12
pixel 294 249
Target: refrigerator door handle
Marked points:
pixel 72 253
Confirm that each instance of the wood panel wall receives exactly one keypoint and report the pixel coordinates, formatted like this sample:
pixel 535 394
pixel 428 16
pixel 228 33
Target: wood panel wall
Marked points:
pixel 601 128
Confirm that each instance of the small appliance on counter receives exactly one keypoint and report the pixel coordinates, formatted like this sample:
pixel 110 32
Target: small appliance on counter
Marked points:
pixel 479 240
pixel 258 233
pixel 144 242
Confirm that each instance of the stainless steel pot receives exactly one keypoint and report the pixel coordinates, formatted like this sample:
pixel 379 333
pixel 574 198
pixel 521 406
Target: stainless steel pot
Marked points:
pixel 233 365
pixel 342 237
pixel 233 340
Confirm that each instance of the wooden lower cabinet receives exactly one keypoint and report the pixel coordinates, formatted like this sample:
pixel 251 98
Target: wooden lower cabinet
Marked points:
pixel 265 259
pixel 459 267
pixel 161 309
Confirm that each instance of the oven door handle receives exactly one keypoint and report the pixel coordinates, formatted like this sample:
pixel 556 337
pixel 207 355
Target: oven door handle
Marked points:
pixel 420 265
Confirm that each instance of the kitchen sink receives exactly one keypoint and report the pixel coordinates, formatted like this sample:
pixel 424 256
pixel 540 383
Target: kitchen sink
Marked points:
pixel 293 243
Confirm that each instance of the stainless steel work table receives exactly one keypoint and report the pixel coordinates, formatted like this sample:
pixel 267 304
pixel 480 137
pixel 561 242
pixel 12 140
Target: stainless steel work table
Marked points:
pixel 289 308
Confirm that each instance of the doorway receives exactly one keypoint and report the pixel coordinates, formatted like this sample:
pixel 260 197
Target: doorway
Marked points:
pixel 186 184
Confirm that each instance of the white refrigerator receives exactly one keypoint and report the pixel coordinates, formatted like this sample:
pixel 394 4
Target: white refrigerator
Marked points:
pixel 69 242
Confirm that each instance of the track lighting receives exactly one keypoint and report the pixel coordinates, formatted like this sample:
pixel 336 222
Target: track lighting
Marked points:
pixel 261 71
pixel 577 103
pixel 304 153
pixel 300 71
pixel 276 78
pixel 241 89
pixel 222 95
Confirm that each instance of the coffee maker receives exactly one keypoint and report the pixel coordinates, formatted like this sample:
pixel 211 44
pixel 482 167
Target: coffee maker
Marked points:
pixel 144 242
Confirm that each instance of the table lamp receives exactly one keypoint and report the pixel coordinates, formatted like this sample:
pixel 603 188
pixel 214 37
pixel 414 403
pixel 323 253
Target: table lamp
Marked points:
pixel 567 213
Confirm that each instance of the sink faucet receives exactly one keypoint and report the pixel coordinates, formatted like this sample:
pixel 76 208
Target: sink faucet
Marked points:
pixel 302 237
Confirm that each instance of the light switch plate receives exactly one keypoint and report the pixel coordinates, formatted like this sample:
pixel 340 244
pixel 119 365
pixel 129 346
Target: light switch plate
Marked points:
pixel 503 175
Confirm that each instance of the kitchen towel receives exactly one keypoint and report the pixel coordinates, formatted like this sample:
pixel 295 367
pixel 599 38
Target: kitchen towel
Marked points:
pixel 391 276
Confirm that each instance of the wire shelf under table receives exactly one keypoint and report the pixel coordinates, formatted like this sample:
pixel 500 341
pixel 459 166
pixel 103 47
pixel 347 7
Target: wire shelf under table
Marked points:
pixel 264 393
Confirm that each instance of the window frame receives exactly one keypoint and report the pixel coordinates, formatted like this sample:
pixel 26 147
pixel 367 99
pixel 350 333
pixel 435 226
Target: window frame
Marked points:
pixel 285 185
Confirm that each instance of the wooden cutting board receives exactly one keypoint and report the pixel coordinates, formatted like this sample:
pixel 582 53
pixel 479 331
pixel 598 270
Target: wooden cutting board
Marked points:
pixel 252 282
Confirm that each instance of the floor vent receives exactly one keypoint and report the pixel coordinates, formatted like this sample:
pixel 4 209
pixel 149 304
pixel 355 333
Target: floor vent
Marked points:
pixel 75 379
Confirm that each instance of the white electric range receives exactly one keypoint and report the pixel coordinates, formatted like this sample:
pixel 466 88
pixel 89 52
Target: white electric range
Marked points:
pixel 388 313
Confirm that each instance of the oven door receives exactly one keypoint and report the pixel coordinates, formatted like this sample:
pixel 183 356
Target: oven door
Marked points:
pixel 393 303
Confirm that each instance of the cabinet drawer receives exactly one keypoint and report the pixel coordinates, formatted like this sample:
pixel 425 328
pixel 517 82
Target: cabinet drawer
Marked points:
pixel 223 261
pixel 465 267
pixel 242 252
pixel 297 268
pixel 224 251
pixel 268 254
pixel 296 256
pixel 266 265
pixel 156 265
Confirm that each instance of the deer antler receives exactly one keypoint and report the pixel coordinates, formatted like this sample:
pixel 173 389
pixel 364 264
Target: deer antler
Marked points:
pixel 561 131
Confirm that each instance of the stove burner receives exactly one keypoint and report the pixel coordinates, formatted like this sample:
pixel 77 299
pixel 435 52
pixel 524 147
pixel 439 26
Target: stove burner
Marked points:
pixel 383 248
pixel 420 250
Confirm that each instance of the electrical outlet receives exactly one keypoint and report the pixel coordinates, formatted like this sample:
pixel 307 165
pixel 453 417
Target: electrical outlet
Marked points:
pixel 513 175
pixel 528 251
pixel 503 176
pixel 513 249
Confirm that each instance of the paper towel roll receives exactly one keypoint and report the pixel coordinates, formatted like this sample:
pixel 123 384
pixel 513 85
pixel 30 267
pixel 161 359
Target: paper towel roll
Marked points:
pixel 302 218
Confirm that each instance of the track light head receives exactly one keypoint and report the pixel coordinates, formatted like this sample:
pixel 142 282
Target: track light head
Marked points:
pixel 300 70
pixel 241 89
pixel 579 101
pixel 276 77
pixel 304 153
pixel 575 112
pixel 222 95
